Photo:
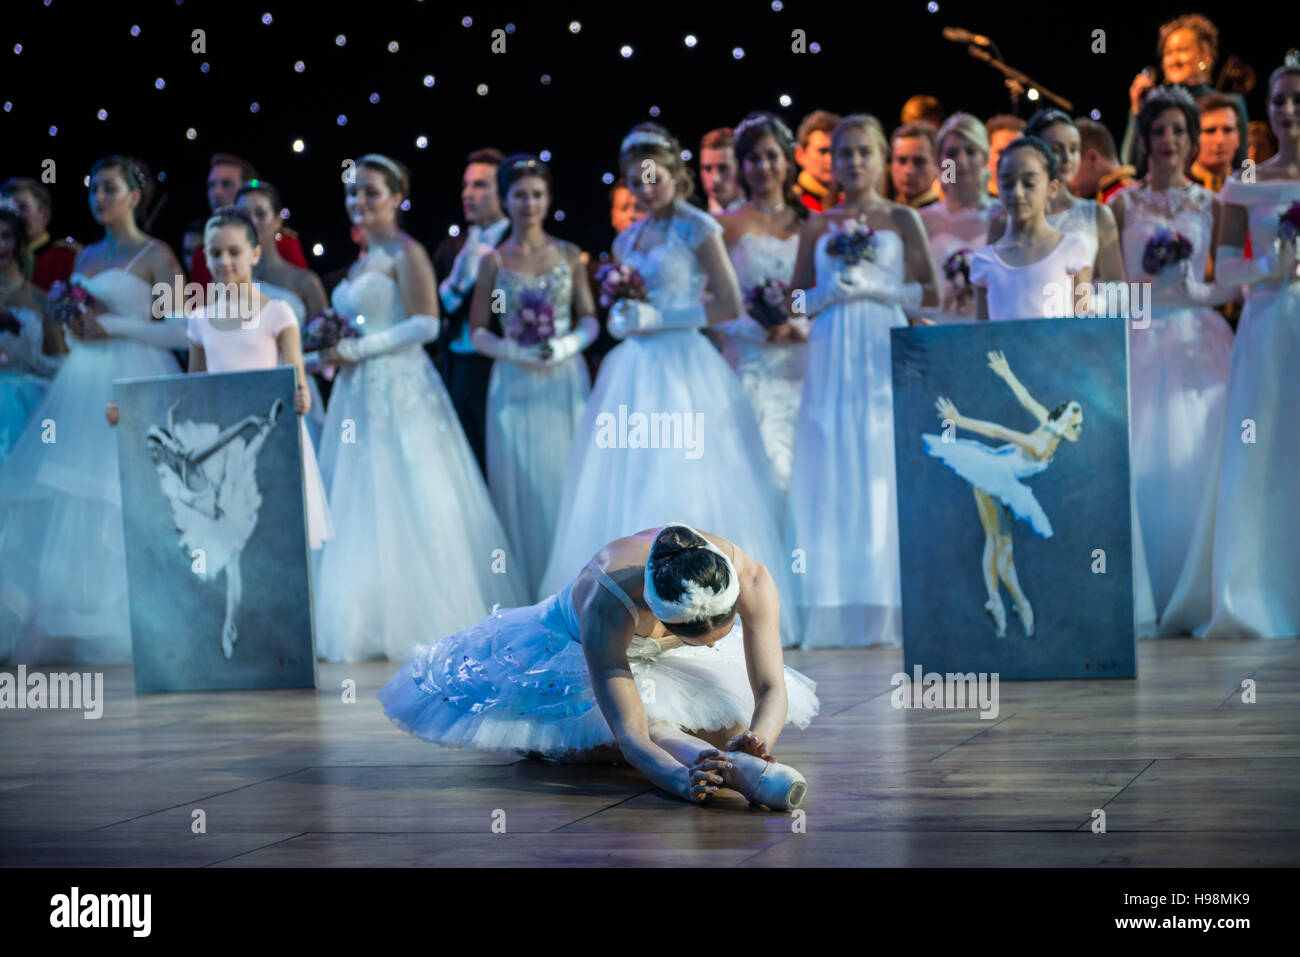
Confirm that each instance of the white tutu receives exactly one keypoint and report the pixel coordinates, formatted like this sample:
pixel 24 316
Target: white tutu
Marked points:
pixel 716 479
pixel 518 681
pixel 996 472
pixel 417 546
pixel 843 500
pixel 63 591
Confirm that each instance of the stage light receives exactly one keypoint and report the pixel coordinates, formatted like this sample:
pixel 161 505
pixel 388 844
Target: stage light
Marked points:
pixel 254 107
pixel 266 19
pixel 686 156
pixel 340 40
pixel 574 26
pixel 317 249
pixel 544 156
pixel 784 99
pixel 135 31
pixel 453 230
pixel 299 67
pixel 546 79
pixel 421 142
pixel 374 97
pixel 1032 94
pixel 607 178
pixel 625 51
pixel 482 89
pixel 159 83
pixel 342 119
pixel 814 47
pixel 54 131
pixel 18 48
pixel 559 215
pixel 299 146
pixel 738 53
pixel 191 133
pixel 690 40
pixel 102 114
pixel 204 67
pixel 466 21
pixel 428 79
pixel 1095 114
pixel 392 46
pixel 654 111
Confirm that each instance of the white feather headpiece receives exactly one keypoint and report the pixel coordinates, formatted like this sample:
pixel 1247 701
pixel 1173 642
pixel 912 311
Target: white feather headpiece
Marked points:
pixel 1058 425
pixel 697 601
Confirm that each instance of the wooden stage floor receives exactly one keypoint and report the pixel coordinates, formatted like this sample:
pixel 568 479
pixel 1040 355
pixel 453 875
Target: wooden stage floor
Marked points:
pixel 1187 774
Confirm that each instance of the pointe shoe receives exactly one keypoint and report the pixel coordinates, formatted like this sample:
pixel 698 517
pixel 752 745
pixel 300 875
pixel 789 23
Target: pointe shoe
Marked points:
pixel 776 786
pixel 998 612
pixel 1026 613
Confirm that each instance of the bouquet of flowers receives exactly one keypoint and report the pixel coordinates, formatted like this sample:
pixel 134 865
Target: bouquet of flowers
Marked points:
pixel 620 282
pixel 852 243
pixel 324 331
pixel 1288 224
pixel 69 301
pixel 956 270
pixel 533 323
pixel 1165 248
pixel 768 303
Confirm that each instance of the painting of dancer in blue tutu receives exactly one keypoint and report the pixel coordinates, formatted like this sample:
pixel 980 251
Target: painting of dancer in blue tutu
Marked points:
pixel 209 476
pixel 995 474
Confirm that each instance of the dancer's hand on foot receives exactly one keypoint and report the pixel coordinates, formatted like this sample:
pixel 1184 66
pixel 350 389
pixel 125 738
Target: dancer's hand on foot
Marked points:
pixel 751 743
pixel 705 776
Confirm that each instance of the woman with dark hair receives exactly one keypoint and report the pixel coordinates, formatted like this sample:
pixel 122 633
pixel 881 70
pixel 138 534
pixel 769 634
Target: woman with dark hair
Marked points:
pixel 1247 538
pixel 1179 350
pixel 30 343
pixel 64 596
pixel 1088 219
pixel 767 345
pixel 417 544
pixel 668 428
pixel 538 287
pixel 663 652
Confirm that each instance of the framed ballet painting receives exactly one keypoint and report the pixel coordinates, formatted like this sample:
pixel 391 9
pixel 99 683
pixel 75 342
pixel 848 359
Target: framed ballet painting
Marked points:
pixel 213 514
pixel 1011 448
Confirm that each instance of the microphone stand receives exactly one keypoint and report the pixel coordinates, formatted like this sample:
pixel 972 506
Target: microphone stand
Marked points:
pixel 1016 81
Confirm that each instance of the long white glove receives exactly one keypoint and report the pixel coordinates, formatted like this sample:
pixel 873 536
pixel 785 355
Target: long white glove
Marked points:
pixel 853 284
pixel 1195 292
pixel 415 330
pixel 464 270
pixel 166 333
pixel 572 343
pixel 632 315
pixel 28 344
pixel 497 347
pixel 1231 267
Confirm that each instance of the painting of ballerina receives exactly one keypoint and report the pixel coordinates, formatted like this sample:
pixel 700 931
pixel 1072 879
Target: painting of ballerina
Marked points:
pixel 216 544
pixel 1011 450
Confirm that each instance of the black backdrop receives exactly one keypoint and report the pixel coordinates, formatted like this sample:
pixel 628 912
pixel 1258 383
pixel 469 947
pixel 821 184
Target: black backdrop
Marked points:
pixel 78 58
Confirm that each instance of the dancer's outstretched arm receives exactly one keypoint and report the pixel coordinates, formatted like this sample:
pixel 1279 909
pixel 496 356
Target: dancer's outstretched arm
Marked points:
pixel 990 429
pixel 998 363
pixel 226 435
pixel 606 633
pixel 759 608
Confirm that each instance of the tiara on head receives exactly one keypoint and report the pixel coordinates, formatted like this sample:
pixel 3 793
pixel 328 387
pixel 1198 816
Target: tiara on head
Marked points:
pixel 644 138
pixel 697 602
pixel 1292 58
pixel 525 164
pixel 10 204
pixel 385 162
pixel 771 118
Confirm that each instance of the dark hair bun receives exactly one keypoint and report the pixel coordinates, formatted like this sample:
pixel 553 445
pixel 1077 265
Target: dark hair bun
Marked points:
pixel 679 554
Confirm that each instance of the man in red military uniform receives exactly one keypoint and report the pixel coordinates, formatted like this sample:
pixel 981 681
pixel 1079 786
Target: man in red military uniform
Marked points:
pixel 52 259
pixel 226 173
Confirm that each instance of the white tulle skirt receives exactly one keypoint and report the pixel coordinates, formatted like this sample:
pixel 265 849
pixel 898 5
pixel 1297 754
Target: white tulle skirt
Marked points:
pixel 417 546
pixel 63 590
pixel 709 468
pixel 518 681
pixel 842 514
pixel 1178 386
pixel 1246 543
pixel 531 415
pixel 772 376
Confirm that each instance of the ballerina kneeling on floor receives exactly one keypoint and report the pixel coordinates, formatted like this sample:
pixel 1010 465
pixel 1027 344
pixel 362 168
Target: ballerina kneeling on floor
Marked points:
pixel 663 652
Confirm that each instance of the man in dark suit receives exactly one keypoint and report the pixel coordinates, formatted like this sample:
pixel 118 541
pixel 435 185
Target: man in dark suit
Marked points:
pixel 464 371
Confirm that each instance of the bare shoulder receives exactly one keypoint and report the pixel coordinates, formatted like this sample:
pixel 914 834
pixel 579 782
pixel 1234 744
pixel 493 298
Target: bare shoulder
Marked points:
pixel 905 219
pixel 413 251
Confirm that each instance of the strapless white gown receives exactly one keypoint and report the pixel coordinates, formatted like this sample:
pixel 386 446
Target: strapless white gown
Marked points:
pixel 63 590
pixel 1247 536
pixel 949 232
pixel 707 468
pixel 518 680
pixel 416 539
pixel 843 500
pixel 771 372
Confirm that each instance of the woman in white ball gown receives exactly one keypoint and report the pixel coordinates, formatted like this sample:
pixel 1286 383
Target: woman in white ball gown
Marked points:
pixel 768 351
pixel 994 473
pixel 404 489
pixel 663 652
pixel 1179 354
pixel 842 505
pixel 668 428
pixel 63 592
pixel 537 284
pixel 1247 539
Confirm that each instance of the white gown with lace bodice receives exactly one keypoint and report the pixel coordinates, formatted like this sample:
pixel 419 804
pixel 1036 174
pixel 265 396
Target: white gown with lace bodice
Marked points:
pixel 949 232
pixel 531 415
pixel 1081 220
pixel 842 502
pixel 1247 537
pixel 417 548
pixel 771 372
pixel 63 589
pixel 668 433
pixel 1178 385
